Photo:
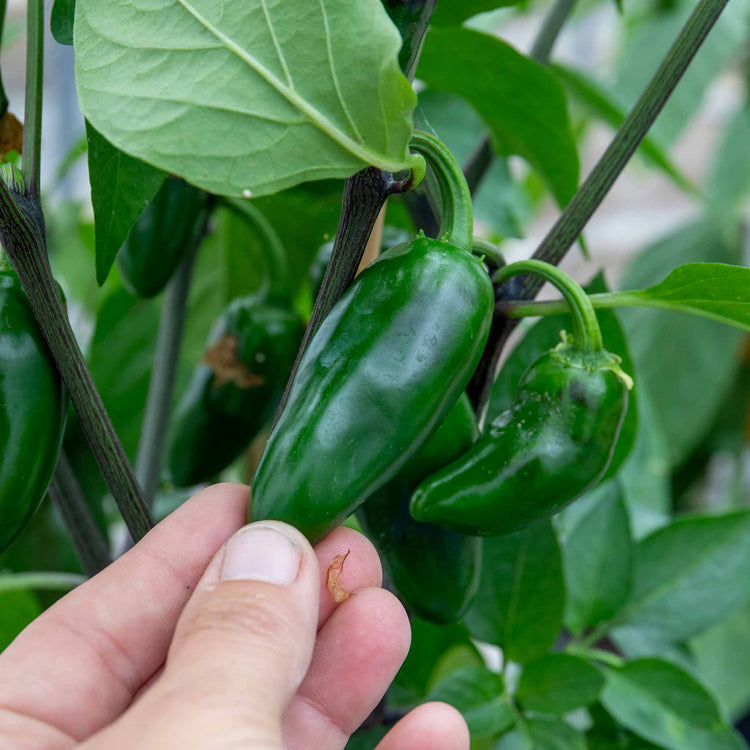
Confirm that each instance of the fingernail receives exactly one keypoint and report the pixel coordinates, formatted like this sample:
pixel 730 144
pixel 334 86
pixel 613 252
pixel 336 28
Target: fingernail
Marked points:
pixel 261 553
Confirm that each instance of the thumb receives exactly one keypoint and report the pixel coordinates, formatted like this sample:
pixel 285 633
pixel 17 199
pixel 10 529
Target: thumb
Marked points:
pixel 245 639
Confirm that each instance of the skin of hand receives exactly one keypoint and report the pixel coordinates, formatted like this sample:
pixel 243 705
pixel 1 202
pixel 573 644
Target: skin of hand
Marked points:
pixel 208 634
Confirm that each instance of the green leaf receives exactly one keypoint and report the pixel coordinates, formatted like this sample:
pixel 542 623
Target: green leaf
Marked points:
pixel 366 739
pixel 61 21
pixel 603 105
pixel 716 291
pixel 121 188
pixel 499 202
pixel 543 733
pixel 686 364
pixel 722 659
pixel 545 335
pixel 729 179
pixel 239 96
pixel 478 694
pixel 663 704
pixel 17 610
pixel 521 597
pixel 429 644
pixel 522 102
pixel 455 12
pixel 558 683
pixel 690 575
pixel 597 557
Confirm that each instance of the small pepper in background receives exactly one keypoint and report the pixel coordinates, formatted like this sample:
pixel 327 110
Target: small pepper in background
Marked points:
pixel 32 411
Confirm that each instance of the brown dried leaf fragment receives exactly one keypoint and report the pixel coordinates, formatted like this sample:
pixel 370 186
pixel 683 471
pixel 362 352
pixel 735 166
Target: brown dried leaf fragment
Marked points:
pixel 11 133
pixel 221 357
pixel 335 571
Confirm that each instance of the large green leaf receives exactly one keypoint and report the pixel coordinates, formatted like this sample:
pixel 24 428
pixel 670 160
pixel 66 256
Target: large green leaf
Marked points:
pixel 241 97
pixel 121 188
pixel 690 575
pixel 658 701
pixel 521 597
pixel 455 12
pixel 603 105
pixel 686 364
pixel 478 694
pixel 597 557
pixel 522 102
pixel 559 683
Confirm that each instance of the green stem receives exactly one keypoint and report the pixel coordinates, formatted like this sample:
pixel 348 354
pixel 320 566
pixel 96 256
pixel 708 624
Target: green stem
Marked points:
pixel 39 581
pixel 279 266
pixel 22 234
pixel 161 386
pixel 491 253
pixel 628 137
pixel 411 17
pixel 481 160
pixel 364 195
pixel 597 184
pixel 587 335
pixel 597 654
pixel 457 220
pixel 32 125
pixel 66 495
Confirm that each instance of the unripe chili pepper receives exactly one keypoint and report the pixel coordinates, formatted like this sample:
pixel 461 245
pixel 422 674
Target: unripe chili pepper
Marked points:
pixel 435 571
pixel 162 237
pixel 32 411
pixel 235 390
pixel 553 444
pixel 382 371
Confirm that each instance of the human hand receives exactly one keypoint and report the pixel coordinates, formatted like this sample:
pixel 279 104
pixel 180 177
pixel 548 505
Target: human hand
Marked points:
pixel 185 643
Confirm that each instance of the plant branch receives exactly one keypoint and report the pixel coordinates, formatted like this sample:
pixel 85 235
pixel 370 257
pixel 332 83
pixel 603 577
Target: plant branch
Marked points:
pixel 161 386
pixel 3 96
pixel 411 17
pixel 32 125
pixel 596 186
pixel 481 160
pixel 23 236
pixel 66 495
pixel 42 581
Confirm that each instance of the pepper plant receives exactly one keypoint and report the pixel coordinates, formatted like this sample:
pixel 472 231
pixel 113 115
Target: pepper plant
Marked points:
pixel 295 276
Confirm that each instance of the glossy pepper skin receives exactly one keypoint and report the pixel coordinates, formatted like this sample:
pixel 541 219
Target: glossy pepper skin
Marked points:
pixel 553 444
pixel 32 411
pixel 385 367
pixel 435 571
pixel 235 390
pixel 162 237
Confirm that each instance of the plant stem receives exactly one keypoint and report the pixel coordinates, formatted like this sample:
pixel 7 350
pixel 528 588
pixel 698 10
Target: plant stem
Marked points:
pixel 3 96
pixel 481 160
pixel 591 193
pixel 40 581
pixel 161 386
pixel 32 126
pixel 457 221
pixel 411 17
pixel 586 332
pixel 66 495
pixel 22 235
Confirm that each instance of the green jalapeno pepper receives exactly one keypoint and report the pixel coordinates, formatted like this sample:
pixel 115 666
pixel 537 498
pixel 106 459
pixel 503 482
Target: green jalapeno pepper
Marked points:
pixel 162 237
pixel 553 444
pixel 235 390
pixel 32 411
pixel 382 371
pixel 435 571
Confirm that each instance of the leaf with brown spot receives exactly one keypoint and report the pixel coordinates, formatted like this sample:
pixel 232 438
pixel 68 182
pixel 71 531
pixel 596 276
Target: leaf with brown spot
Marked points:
pixel 335 571
pixel 11 133
pixel 221 357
